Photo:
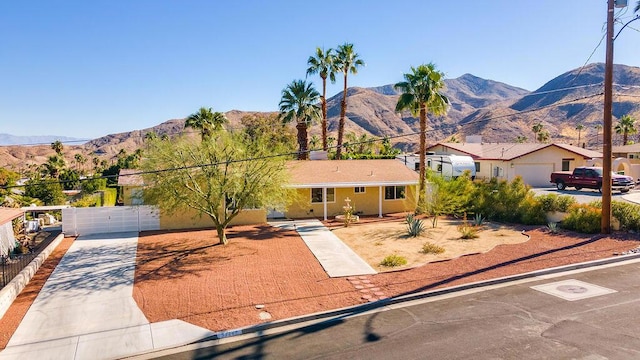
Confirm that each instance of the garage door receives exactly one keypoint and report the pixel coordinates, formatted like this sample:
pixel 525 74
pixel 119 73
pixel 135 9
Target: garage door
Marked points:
pixel 536 175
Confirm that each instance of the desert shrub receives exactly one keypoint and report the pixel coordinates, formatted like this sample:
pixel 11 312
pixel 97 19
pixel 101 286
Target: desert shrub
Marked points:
pixel 628 215
pixel 532 212
pixel 584 218
pixel 430 248
pixel 393 261
pixel 415 227
pixel 555 202
pixel 91 200
pixel 501 200
pixel 468 231
pixel 447 196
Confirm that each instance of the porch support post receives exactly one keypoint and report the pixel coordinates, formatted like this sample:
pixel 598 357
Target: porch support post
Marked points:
pixel 380 201
pixel 324 202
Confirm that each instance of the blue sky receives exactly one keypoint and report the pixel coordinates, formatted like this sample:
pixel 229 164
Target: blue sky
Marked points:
pixel 92 68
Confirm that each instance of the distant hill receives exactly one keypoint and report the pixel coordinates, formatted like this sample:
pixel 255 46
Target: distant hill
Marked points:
pixel 7 139
pixel 497 111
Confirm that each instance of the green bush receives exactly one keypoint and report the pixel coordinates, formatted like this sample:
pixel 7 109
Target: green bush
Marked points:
pixel 501 200
pixel 532 212
pixel 584 218
pixel 429 248
pixel 109 196
pixel 628 215
pixel 393 261
pixel 555 202
pixel 89 186
pixel 91 200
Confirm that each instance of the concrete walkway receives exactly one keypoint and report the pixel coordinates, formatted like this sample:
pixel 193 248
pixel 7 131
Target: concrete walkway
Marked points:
pixel 86 310
pixel 336 258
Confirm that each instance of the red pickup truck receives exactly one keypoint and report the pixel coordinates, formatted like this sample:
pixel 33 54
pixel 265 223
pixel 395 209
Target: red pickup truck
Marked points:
pixel 590 178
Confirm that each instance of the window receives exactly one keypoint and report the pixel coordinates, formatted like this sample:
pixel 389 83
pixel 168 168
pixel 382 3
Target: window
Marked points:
pixel 565 165
pixel 477 164
pixel 358 190
pixel 394 192
pixel 316 195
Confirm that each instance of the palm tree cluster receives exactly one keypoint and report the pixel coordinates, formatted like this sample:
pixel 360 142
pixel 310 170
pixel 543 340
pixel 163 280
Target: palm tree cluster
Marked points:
pixel 300 100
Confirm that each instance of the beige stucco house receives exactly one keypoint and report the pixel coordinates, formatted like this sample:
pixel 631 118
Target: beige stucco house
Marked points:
pixel 374 187
pixel 531 161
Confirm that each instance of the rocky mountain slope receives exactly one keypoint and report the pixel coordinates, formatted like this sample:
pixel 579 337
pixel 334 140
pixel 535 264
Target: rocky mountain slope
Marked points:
pixel 498 112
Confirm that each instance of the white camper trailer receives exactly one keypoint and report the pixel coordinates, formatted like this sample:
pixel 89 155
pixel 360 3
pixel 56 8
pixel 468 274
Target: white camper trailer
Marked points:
pixel 447 165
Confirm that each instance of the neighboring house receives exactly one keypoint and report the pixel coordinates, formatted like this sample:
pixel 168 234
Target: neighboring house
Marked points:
pixel 375 187
pixel 131 184
pixel 631 165
pixel 531 161
pixel 7 237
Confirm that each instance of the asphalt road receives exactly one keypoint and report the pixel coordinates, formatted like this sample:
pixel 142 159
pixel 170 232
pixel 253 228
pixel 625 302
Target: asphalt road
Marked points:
pixel 582 196
pixel 511 322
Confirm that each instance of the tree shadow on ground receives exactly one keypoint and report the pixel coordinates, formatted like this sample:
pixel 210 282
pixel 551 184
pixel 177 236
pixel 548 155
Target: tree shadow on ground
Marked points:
pixel 259 347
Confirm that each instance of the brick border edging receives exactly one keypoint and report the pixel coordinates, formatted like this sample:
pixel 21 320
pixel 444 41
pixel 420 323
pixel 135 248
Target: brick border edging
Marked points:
pixel 11 291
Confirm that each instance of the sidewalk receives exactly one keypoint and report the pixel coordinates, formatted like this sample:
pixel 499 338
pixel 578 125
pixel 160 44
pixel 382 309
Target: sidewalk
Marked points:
pixel 633 197
pixel 336 257
pixel 86 311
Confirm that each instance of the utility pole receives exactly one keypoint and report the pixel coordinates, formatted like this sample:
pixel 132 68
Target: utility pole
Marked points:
pixel 605 227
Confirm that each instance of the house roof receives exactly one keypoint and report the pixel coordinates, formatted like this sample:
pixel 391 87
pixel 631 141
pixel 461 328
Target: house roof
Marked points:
pixel 130 177
pixel 8 214
pixel 346 173
pixel 510 151
pixel 626 148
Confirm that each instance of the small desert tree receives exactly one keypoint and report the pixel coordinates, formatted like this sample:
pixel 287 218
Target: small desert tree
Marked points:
pixel 218 178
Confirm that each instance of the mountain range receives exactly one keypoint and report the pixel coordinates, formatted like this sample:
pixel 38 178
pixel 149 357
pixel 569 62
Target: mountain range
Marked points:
pixel 496 111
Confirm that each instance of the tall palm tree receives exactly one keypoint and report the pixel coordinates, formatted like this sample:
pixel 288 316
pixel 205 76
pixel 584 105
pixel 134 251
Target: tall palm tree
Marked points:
pixel 80 160
pixel 206 121
pixel 57 147
pixel 299 105
pixel 598 127
pixel 537 128
pixel 579 127
pixel 348 61
pixel 626 126
pixel 323 64
pixel 421 92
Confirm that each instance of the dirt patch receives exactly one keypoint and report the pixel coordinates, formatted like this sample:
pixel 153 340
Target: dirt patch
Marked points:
pixel 374 240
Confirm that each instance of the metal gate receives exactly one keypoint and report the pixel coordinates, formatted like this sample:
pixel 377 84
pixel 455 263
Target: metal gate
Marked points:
pixel 100 220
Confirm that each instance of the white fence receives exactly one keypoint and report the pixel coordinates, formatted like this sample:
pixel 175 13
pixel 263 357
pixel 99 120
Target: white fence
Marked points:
pixel 97 220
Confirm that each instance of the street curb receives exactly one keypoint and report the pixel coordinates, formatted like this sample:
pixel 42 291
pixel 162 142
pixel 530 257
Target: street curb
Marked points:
pixel 334 315
pixel 10 292
pixel 280 326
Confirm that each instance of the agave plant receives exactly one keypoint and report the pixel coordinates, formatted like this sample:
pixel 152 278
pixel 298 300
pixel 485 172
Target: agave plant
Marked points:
pixel 415 227
pixel 478 220
pixel 553 227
